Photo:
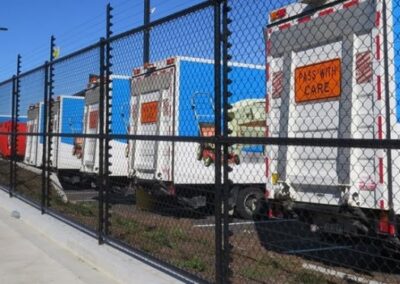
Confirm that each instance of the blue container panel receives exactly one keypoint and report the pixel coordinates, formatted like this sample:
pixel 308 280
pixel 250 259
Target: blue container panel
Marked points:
pixel 253 148
pixel 121 94
pixel 72 118
pixel 396 36
pixel 4 118
pixel 41 123
pixel 195 77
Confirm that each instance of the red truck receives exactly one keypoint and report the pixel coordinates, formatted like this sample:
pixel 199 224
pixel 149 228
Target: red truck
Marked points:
pixel 5 139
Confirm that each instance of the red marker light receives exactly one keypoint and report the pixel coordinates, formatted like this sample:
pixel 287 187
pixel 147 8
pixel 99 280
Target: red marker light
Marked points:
pixel 148 66
pixel 278 14
pixel 170 61
pixel 136 71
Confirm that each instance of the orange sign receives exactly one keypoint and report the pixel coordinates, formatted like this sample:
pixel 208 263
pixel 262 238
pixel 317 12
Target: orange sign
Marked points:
pixel 93 117
pixel 149 112
pixel 318 81
pixel 207 129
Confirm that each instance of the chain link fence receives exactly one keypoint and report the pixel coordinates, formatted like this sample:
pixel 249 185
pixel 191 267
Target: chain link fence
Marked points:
pixel 237 141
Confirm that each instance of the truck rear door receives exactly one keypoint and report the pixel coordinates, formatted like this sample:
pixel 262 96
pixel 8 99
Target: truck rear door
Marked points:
pixel 91 127
pixel 56 129
pixel 152 115
pixel 32 141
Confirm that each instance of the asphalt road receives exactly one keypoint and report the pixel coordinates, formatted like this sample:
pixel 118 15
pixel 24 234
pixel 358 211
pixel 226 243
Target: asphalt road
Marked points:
pixel 82 195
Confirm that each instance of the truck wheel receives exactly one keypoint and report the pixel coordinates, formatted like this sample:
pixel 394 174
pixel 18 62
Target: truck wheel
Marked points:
pixel 208 161
pixel 199 152
pixel 248 202
pixel 236 159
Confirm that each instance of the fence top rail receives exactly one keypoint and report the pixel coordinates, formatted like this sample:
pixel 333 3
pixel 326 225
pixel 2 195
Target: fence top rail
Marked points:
pixel 163 20
pixel 7 81
pixel 23 74
pixel 27 73
pixel 77 53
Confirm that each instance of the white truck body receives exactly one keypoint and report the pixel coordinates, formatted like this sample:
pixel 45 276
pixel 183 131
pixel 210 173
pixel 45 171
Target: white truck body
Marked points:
pixel 67 119
pixel 120 93
pixel 327 80
pixel 34 143
pixel 161 106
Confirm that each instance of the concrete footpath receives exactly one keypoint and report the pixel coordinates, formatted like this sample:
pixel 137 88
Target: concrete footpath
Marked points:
pixel 38 248
pixel 26 256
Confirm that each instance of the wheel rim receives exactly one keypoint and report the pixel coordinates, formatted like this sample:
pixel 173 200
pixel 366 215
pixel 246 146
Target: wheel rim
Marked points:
pixel 199 153
pixel 250 203
pixel 208 162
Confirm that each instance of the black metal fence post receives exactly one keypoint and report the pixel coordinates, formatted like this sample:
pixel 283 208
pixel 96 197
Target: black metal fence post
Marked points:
pixel 218 145
pixel 14 123
pixel 226 57
pixel 108 73
pixel 146 34
pixel 101 142
pixel 14 83
pixel 49 125
pixel 45 137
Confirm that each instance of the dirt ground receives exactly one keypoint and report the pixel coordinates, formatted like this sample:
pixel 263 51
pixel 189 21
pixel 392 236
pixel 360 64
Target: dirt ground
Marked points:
pixel 178 242
pixel 174 236
pixel 29 184
pixel 256 255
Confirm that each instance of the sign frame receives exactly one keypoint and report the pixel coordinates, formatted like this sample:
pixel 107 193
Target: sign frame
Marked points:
pixel 335 93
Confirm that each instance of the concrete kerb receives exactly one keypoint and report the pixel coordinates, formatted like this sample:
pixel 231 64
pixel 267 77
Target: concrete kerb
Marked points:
pixel 112 262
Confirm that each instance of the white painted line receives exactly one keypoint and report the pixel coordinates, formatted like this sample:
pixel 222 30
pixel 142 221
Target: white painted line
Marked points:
pixel 316 249
pixel 245 223
pixel 82 200
pixel 81 193
pixel 339 274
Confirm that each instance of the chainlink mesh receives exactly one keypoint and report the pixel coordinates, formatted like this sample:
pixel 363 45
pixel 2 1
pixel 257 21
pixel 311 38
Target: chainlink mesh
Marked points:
pixel 6 91
pixel 330 75
pixel 239 141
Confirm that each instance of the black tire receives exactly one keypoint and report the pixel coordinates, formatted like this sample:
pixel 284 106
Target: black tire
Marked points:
pixel 359 214
pixel 208 162
pixel 248 202
pixel 236 159
pixel 199 152
pixel 391 247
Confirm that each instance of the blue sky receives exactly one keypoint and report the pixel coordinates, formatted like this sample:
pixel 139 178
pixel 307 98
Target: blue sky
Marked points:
pixel 31 23
pixel 75 24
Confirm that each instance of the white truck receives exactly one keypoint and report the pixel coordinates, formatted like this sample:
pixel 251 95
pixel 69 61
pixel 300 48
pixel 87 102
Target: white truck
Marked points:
pixel 34 143
pixel 332 69
pixel 119 99
pixel 175 97
pixel 67 117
